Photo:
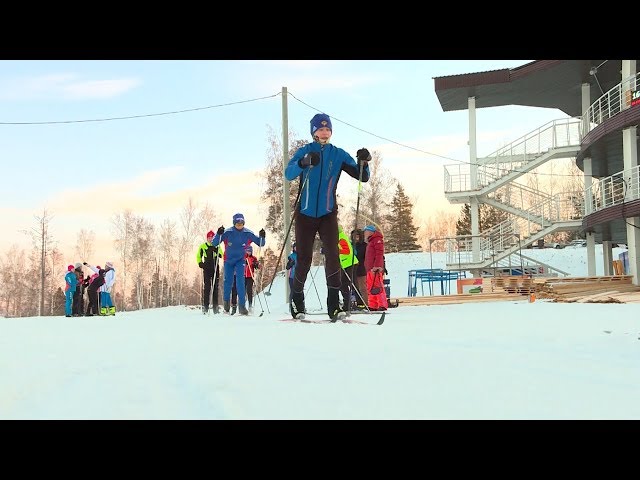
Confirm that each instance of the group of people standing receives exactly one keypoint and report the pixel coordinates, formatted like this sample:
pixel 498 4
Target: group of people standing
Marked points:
pixel 234 246
pixel 362 266
pixel 98 286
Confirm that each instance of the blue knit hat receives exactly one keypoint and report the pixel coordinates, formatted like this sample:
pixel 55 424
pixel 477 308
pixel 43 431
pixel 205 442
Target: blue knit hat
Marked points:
pixel 320 120
pixel 238 217
pixel 370 228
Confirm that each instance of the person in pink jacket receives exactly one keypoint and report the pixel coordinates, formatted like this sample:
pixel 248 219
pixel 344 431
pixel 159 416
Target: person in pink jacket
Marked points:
pixel 374 265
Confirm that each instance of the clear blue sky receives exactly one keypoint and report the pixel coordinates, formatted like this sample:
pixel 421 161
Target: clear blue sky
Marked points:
pixel 85 172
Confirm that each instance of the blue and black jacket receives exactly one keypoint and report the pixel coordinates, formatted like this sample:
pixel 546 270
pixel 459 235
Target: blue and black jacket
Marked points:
pixel 318 197
pixel 236 242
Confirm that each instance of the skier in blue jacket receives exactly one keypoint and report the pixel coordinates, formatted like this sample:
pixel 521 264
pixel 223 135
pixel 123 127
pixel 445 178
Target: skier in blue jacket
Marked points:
pixel 319 165
pixel 236 239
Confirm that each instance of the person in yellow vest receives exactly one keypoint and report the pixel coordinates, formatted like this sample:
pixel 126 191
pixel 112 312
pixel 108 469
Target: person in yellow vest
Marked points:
pixel 207 261
pixel 348 260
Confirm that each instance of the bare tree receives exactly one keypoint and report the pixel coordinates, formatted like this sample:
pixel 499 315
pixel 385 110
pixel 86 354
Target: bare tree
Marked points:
pixel 43 241
pixel 142 253
pixel 268 267
pixel 84 244
pixel 381 185
pixel 195 224
pixel 274 184
pixel 187 222
pixel 168 242
pixel 55 270
pixel 122 227
pixel 12 288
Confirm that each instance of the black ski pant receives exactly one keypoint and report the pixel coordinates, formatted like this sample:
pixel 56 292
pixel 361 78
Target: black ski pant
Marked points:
pixel 92 306
pixel 206 291
pixel 306 229
pixel 347 274
pixel 78 302
pixel 248 288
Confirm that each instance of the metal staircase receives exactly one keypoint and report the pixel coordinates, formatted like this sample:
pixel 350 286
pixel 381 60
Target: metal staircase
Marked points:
pixel 532 214
pixel 556 139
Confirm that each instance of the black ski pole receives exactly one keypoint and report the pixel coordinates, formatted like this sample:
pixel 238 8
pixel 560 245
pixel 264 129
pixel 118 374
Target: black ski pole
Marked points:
pixel 356 290
pixel 314 286
pixel 275 273
pixel 261 279
pixel 353 250
pixel 213 283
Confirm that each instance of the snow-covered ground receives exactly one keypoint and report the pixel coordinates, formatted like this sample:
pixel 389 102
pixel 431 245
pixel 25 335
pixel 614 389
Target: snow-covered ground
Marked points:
pixel 502 360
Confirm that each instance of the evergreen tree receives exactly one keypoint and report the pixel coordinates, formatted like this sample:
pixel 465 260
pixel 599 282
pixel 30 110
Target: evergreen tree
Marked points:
pixel 489 217
pixel 400 234
pixel 492 216
pixel 463 225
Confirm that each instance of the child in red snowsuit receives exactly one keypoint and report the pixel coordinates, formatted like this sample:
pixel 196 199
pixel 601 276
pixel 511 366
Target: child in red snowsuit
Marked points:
pixel 374 265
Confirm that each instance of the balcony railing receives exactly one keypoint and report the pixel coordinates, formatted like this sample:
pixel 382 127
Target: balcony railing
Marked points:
pixel 512 157
pixel 613 190
pixel 611 103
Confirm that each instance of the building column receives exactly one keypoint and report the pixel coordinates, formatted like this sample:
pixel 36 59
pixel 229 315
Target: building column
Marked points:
pixel 607 257
pixel 473 180
pixel 630 159
pixel 591 237
pixel 628 84
pixel 588 177
pixel 591 254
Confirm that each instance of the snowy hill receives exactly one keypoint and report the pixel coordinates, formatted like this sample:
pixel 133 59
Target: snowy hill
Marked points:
pixel 503 360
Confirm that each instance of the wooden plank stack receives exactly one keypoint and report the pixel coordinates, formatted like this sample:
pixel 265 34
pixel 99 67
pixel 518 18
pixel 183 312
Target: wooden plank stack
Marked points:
pixel 513 284
pixel 599 289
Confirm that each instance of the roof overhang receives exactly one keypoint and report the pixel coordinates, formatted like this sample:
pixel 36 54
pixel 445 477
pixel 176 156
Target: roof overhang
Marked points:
pixel 541 83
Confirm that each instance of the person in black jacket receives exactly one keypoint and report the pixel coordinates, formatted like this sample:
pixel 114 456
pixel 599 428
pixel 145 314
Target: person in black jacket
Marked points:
pixel 92 290
pixel 360 282
pixel 78 296
pixel 207 261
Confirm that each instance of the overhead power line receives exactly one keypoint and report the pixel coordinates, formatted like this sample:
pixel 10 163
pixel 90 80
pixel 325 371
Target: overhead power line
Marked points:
pixel 418 149
pixel 188 110
pixel 174 112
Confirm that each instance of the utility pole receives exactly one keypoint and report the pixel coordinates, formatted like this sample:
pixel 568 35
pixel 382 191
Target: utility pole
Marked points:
pixel 286 210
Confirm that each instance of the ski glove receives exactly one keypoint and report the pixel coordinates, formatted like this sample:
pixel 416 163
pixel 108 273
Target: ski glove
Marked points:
pixel 363 155
pixel 262 233
pixel 290 263
pixel 201 265
pixel 255 265
pixel 220 230
pixel 311 158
